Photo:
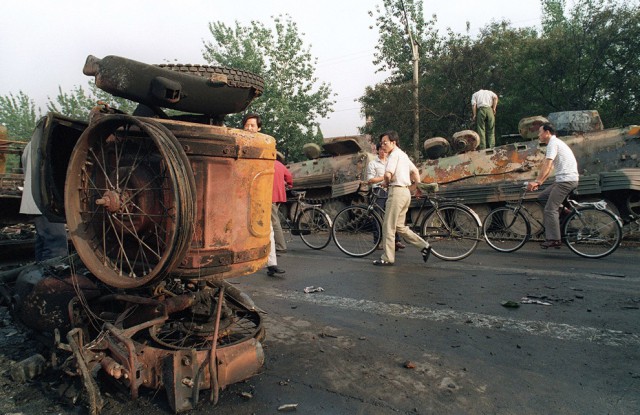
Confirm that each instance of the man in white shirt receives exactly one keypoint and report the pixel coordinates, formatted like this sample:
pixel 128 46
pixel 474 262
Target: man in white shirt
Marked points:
pixel 483 106
pixel 560 157
pixel 400 173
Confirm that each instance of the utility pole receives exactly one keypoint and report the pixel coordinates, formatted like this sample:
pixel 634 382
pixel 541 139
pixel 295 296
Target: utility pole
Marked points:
pixel 416 69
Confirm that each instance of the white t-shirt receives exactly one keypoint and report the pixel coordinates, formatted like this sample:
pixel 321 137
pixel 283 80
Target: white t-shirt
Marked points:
pixel 375 168
pixel 483 98
pixel 564 161
pixel 400 166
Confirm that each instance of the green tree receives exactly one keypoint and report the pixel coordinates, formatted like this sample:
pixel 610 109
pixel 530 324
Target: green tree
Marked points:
pixel 588 59
pixel 78 102
pixel 398 23
pixel 291 103
pixel 584 58
pixel 19 114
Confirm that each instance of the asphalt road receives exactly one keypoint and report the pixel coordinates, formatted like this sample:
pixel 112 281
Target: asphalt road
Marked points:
pixel 435 338
pixel 430 338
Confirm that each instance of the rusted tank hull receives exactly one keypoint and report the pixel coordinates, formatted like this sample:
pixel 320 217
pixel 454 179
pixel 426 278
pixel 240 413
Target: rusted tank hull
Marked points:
pixel 607 161
pixel 335 178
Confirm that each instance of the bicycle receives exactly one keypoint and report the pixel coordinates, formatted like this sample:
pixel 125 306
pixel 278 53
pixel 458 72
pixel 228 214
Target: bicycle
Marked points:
pixel 588 228
pixel 310 222
pixel 451 228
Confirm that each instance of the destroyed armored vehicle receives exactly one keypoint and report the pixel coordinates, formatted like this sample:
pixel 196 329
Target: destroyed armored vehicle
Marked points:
pixel 607 160
pixel 160 209
pixel 333 173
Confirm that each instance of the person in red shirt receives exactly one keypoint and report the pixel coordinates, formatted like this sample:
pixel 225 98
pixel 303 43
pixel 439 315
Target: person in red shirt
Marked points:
pixel 253 123
pixel 282 180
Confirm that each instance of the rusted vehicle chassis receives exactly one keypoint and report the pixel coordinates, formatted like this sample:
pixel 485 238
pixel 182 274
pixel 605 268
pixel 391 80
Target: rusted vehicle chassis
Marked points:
pixel 154 339
pixel 146 198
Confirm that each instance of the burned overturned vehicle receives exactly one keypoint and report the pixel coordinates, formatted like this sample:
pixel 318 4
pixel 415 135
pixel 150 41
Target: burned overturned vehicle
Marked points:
pixel 144 298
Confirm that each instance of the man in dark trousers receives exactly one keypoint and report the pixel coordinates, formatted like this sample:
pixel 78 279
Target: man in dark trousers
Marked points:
pixel 560 157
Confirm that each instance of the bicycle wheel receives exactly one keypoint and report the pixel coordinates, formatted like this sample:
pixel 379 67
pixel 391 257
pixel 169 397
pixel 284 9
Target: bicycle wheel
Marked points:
pixel 357 231
pixel 314 226
pixel 452 231
pixel 506 231
pixel 592 233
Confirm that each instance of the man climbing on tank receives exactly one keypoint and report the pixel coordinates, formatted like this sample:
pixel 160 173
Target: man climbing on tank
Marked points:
pixel 559 156
pixel 483 107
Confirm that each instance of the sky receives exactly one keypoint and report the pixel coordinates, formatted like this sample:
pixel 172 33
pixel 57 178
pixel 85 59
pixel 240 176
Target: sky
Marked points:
pixel 44 43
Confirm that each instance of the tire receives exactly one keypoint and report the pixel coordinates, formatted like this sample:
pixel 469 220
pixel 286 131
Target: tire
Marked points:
pixel 505 231
pixel 592 233
pixel 357 231
pixel 452 231
pixel 196 89
pixel 314 226
pixel 236 78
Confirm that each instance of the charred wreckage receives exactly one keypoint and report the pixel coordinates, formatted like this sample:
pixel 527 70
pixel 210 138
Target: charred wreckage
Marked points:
pixel 144 299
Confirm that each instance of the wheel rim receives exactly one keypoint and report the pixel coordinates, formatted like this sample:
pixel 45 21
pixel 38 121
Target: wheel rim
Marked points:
pixel 356 232
pixel 592 233
pixel 453 234
pixel 129 201
pixel 189 330
pixel 505 232
pixel 315 228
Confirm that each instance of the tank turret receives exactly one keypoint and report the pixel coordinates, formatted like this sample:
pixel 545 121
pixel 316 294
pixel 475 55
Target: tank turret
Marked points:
pixel 334 173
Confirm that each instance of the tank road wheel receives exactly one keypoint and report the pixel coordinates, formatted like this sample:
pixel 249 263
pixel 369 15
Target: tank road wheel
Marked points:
pixel 633 203
pixel 129 200
pixel 332 207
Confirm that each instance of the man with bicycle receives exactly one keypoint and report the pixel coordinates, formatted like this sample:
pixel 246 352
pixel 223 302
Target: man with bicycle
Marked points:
pixel 375 178
pixel 400 173
pixel 560 157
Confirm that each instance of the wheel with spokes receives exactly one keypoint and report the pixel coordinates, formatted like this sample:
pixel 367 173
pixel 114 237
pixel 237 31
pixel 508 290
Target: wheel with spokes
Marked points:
pixel 314 226
pixel 452 231
pixel 129 200
pixel 506 230
pixel 592 232
pixel 357 231
pixel 191 329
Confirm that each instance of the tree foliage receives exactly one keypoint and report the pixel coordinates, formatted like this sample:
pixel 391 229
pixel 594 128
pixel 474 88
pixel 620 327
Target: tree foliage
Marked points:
pixel 19 114
pixel 291 103
pixel 78 102
pixel 583 58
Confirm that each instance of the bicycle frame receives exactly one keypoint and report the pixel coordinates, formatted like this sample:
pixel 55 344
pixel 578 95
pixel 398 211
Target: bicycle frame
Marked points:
pixel 430 204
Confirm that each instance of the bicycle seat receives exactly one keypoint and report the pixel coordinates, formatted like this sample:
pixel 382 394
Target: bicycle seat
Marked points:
pixel 295 193
pixel 427 187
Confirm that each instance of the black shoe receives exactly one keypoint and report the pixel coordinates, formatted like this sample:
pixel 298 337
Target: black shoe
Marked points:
pixel 272 270
pixel 382 262
pixel 426 252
